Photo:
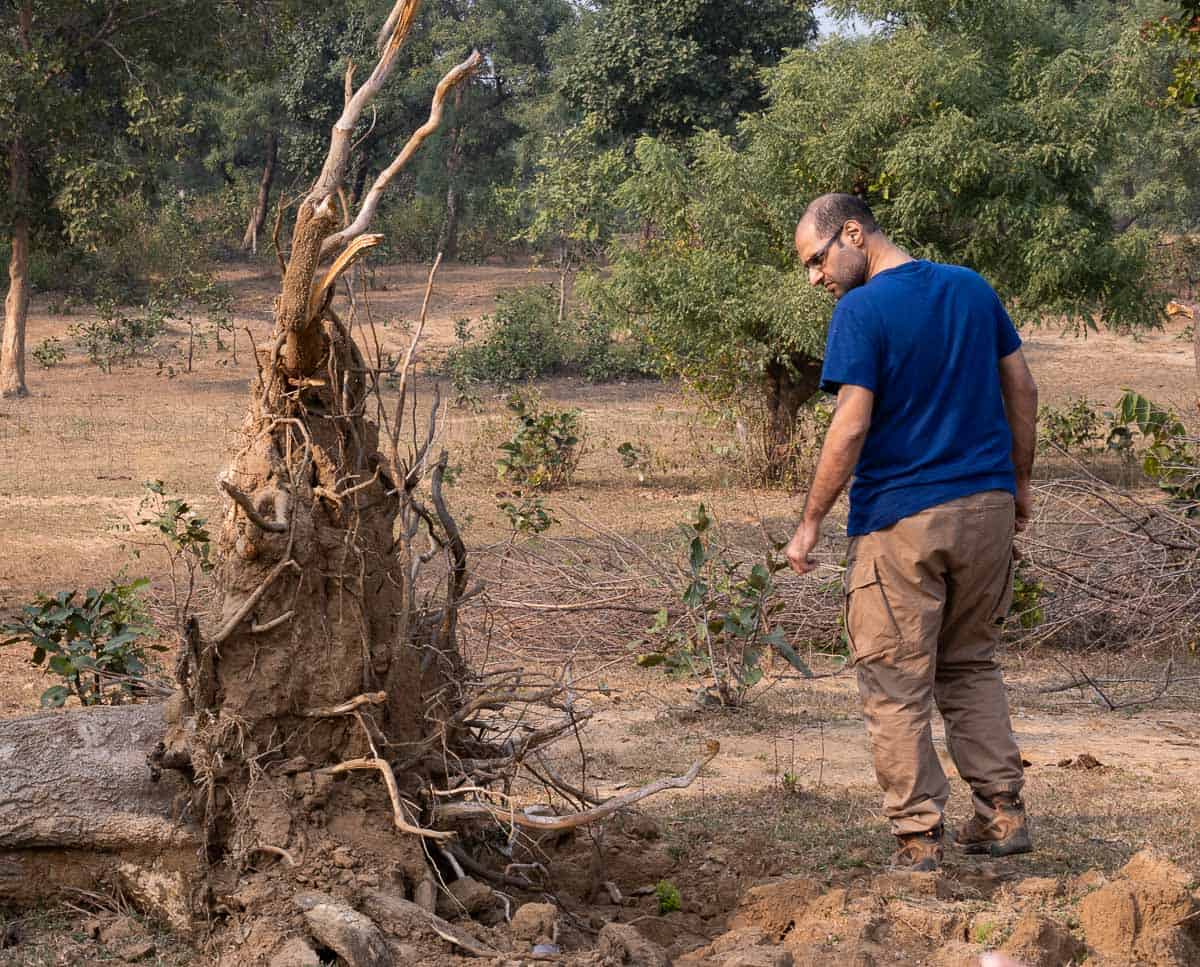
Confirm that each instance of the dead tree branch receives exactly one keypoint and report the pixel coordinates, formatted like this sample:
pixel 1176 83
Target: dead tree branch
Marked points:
pixel 389 779
pixel 478 809
pixel 366 212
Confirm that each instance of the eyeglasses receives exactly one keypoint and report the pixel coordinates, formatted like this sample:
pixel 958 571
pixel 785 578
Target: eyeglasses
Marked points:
pixel 817 259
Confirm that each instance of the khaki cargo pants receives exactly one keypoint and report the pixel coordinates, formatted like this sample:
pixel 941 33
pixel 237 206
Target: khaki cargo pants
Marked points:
pixel 924 602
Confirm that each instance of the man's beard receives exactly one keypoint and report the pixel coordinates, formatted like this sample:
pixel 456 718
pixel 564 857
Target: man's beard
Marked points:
pixel 852 272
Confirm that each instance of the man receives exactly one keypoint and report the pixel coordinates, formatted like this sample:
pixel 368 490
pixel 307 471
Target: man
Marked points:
pixel 936 418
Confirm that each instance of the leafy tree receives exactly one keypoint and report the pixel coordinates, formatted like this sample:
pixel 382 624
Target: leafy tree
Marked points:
pixel 91 104
pixel 571 202
pixel 978 132
pixel 1184 90
pixel 1152 182
pixel 672 67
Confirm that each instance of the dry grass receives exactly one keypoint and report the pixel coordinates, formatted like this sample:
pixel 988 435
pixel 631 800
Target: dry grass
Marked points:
pixel 72 460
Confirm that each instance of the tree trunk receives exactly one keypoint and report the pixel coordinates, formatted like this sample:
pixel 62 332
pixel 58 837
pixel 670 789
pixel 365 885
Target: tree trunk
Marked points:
pixel 78 804
pixel 258 218
pixel 788 385
pixel 1195 316
pixel 81 779
pixel 448 238
pixel 16 311
pixel 16 304
pixel 448 241
pixel 564 274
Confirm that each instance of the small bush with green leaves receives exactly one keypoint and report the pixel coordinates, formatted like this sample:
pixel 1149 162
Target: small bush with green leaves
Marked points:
pixel 544 451
pixel 1170 457
pixel 524 341
pixel 604 354
pixel 668 896
pixel 526 514
pixel 49 352
pixel 119 338
pixel 636 459
pixel 1029 597
pixel 183 536
pixel 727 624
pixel 97 646
pixel 411 229
pixel 1074 428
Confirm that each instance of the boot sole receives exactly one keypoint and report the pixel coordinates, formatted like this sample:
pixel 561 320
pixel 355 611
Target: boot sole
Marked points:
pixel 1017 843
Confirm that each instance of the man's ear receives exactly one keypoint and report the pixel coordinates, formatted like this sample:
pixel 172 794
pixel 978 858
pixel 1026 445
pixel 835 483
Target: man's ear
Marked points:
pixel 854 234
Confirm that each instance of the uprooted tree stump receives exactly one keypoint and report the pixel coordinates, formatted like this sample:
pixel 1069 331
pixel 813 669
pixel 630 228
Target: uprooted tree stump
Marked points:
pixel 326 743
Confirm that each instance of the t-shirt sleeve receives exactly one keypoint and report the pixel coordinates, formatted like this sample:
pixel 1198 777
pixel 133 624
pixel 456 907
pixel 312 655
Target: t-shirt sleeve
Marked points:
pixel 852 353
pixel 1007 340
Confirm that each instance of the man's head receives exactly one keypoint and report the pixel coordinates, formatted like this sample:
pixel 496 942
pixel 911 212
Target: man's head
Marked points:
pixel 833 240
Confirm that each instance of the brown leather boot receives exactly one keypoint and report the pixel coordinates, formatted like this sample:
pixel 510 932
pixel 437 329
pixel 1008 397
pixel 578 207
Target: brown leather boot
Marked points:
pixel 918 852
pixel 1006 833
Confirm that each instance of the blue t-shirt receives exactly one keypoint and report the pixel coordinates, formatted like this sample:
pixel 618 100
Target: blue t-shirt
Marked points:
pixel 927 340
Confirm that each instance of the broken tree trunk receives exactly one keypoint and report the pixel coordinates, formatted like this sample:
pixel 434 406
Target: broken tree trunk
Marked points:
pixel 326 650
pixel 78 801
pixel 325 714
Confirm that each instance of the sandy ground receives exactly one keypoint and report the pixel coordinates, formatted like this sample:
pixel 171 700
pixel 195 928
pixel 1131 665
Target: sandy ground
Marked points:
pixel 74 456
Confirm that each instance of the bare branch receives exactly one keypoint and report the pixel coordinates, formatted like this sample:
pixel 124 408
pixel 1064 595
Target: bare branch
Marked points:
pixel 247 505
pixel 347 707
pixel 274 623
pixel 401 20
pixel 515 817
pixel 228 628
pixel 454 77
pixel 389 778
pixel 353 252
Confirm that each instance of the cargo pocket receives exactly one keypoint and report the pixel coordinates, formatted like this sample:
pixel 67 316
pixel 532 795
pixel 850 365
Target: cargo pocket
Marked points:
pixel 870 623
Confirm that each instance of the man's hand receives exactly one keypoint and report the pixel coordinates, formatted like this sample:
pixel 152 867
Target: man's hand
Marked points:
pixel 1024 505
pixel 801 545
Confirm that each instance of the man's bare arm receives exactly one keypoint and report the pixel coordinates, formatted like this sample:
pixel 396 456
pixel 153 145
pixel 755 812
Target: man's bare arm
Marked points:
pixel 839 455
pixel 1020 406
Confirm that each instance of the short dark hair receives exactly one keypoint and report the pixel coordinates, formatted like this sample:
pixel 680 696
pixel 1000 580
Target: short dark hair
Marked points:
pixel 830 212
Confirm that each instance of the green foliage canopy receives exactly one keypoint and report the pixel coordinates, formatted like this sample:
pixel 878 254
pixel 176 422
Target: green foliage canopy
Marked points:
pixel 94 92
pixel 979 133
pixel 676 66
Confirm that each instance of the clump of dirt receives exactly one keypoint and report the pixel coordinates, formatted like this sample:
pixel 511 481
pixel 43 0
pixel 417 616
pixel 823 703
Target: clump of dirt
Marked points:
pixel 1146 915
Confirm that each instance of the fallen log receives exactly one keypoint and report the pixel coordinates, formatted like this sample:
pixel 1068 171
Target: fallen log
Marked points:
pixel 78 805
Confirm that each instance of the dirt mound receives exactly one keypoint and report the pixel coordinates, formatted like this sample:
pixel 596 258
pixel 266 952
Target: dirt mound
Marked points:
pixel 1145 916
pixel 805 921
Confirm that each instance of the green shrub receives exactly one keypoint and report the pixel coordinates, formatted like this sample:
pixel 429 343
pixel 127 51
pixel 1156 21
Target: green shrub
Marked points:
pixel 544 451
pixel 183 537
pixel 606 353
pixel 119 338
pixel 96 646
pixel 668 896
pixel 1029 597
pixel 523 341
pixel 728 620
pixel 636 459
pixel 49 352
pixel 1170 457
pixel 411 228
pixel 526 514
pixel 1073 428
pixel 489 228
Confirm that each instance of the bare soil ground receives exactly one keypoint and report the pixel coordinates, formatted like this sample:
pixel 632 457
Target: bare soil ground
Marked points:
pixel 792 792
